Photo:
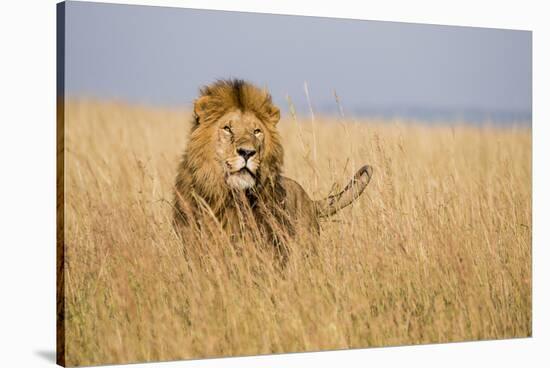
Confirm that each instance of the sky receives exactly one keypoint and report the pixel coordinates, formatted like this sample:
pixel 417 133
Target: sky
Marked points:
pixel 162 56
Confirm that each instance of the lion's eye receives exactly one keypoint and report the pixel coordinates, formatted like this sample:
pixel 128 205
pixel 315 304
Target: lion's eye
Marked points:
pixel 257 131
pixel 227 128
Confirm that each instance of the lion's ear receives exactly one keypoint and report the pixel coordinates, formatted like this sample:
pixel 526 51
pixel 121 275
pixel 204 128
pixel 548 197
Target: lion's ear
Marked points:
pixel 201 107
pixel 274 114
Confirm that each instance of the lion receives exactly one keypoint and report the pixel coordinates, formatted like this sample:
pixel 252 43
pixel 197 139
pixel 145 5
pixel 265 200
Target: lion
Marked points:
pixel 231 171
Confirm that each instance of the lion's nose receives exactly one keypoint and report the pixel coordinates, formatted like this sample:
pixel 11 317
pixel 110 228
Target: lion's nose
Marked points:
pixel 246 153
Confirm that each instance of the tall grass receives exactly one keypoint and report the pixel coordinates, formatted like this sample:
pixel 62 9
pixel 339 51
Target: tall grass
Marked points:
pixel 437 249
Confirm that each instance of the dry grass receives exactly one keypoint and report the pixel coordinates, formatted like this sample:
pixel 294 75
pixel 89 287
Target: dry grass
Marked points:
pixel 438 248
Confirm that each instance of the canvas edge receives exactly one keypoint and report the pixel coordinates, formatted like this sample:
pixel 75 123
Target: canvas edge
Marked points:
pixel 60 181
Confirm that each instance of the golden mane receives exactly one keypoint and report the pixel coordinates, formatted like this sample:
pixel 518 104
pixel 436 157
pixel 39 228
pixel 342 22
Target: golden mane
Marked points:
pixel 216 99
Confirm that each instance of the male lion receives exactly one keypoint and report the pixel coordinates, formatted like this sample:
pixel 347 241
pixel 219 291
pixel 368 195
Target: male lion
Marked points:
pixel 230 173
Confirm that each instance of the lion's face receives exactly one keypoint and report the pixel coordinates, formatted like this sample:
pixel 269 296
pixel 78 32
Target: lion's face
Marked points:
pixel 240 148
pixel 234 143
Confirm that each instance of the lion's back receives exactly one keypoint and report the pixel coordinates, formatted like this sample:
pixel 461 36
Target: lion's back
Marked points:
pixel 299 205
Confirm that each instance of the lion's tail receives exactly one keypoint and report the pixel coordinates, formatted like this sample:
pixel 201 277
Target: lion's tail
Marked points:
pixel 334 203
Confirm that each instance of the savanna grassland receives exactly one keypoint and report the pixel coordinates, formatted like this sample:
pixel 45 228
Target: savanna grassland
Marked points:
pixel 437 249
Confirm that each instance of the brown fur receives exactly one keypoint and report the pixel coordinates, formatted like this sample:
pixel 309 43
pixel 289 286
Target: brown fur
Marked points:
pixel 214 183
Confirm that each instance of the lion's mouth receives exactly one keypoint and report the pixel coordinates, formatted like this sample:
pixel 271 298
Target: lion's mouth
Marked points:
pixel 242 179
pixel 246 170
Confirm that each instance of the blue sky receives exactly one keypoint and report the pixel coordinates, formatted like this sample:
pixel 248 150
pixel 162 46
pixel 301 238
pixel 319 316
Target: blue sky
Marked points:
pixel 161 56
